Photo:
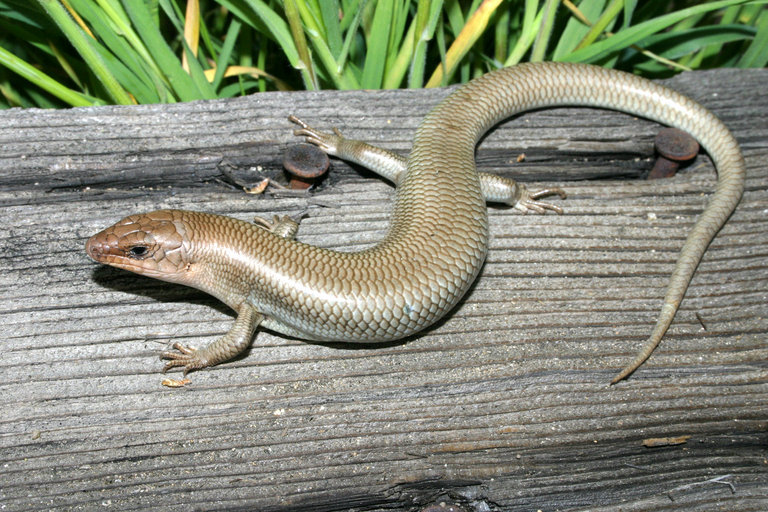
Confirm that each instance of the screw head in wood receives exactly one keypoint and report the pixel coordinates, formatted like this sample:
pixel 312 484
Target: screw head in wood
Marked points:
pixel 306 164
pixel 674 148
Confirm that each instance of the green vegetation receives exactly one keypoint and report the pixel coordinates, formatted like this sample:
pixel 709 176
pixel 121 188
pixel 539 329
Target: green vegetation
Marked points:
pixel 59 53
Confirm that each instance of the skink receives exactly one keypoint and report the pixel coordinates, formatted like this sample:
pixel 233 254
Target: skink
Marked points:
pixel 438 236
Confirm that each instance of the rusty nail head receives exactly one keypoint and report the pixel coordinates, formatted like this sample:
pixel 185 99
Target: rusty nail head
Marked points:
pixel 674 147
pixel 306 164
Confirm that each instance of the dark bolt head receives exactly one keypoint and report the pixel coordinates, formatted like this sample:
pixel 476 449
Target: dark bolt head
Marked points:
pixel 306 164
pixel 676 145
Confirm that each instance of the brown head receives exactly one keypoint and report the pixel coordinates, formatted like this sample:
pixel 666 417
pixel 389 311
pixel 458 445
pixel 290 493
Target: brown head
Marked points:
pixel 152 244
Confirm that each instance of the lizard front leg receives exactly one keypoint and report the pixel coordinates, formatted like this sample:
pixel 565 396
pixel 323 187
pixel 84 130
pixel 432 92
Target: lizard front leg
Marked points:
pixel 228 346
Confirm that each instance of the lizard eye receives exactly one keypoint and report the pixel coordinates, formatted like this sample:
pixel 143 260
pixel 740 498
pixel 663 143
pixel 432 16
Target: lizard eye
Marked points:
pixel 138 252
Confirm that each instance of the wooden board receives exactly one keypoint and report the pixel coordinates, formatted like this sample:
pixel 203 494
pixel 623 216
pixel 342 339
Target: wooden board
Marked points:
pixel 504 405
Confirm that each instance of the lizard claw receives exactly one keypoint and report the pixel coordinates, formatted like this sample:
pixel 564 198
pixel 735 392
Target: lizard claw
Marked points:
pixel 326 141
pixel 528 201
pixel 189 358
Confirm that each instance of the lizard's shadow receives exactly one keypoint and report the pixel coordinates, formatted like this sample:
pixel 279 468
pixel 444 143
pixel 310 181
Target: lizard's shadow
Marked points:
pixel 130 283
pixel 123 281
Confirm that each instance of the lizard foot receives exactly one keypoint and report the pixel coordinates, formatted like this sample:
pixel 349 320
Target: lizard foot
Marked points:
pixel 328 142
pixel 529 201
pixel 189 358
pixel 283 226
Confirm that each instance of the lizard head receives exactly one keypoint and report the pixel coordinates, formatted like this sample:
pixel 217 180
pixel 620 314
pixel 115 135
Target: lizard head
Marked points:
pixel 151 244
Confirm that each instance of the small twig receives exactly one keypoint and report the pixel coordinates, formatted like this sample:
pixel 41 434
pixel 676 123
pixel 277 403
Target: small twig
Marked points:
pixel 701 321
pixel 715 480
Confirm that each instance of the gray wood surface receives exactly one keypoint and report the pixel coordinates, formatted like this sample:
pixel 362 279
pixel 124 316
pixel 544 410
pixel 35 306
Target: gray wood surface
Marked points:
pixel 504 405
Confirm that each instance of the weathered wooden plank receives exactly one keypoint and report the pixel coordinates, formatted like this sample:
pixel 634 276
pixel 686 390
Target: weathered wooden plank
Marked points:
pixel 502 406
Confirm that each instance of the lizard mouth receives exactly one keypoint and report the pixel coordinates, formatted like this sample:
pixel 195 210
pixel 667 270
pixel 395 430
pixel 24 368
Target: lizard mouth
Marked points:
pixel 102 249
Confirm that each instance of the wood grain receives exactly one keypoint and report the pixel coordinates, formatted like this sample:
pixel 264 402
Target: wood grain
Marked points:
pixel 504 405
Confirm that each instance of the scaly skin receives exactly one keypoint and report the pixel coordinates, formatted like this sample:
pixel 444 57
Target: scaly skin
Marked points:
pixel 438 237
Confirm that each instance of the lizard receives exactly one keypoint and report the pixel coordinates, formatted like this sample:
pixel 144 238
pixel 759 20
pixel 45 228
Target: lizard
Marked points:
pixel 438 236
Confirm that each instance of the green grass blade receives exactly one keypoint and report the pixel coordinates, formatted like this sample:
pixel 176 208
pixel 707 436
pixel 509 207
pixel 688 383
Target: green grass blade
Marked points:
pixel 531 21
pixel 425 23
pixel 85 46
pixel 454 16
pixel 632 35
pixel 341 76
pixel 576 28
pixel 629 12
pixel 376 44
pixel 17 27
pixel 329 11
pixel 226 52
pixel 354 23
pixel 607 18
pixel 12 98
pixel 306 66
pixel 259 16
pixel 402 61
pixel 197 73
pixel 729 16
pixel 545 31
pixel 66 66
pixel 126 63
pixel 117 16
pixel 140 90
pixel 241 88
pixel 174 14
pixel 502 29
pixel 182 83
pixel 465 40
pixel 45 82
pixel 41 100
pixel 118 20
pixel 674 45
pixel 756 55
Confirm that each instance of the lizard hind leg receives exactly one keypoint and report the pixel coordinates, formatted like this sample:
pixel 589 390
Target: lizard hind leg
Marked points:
pixel 498 189
pixel 393 167
pixel 386 164
pixel 281 225
pixel 530 200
